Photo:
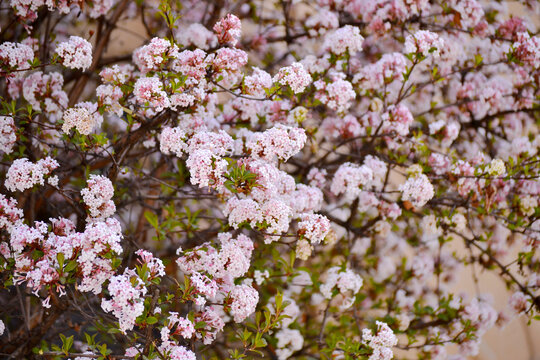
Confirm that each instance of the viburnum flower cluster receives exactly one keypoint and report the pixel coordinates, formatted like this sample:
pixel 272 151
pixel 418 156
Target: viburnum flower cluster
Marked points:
pixel 8 137
pixel 16 55
pixel 84 117
pixel 381 342
pixel 347 283
pixel 97 196
pixel 23 174
pixel 424 42
pixel 127 292
pixel 254 179
pixel 76 53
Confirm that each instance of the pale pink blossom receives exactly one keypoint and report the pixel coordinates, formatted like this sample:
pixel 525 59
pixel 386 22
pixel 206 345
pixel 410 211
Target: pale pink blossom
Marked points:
pixel 23 174
pixel 76 53
pixel 424 42
pixel 154 55
pixel 258 82
pixel 44 92
pixel 8 137
pixel 196 34
pixel 349 180
pixel 228 59
pixel 172 141
pixel 527 49
pixel 15 55
pixel 149 90
pixel 127 298
pixel 347 282
pixel 97 196
pixel 398 119
pixel 470 12
pixel 344 39
pixel 244 300
pixel 294 76
pixel 280 142
pixel 83 116
pixel 381 342
pixel 193 64
pixel 337 94
pixel 314 227
pixel 228 30
pixel 418 190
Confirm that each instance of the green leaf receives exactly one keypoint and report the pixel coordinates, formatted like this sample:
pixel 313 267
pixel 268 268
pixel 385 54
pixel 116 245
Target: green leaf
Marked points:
pixel 200 325
pixel 66 343
pixel 151 218
pixel 151 320
pixel 60 259
pixel 261 342
pixel 478 59
pixel 70 266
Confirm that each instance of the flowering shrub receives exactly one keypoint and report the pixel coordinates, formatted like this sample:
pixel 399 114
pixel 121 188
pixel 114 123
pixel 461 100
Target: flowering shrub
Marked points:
pixel 283 179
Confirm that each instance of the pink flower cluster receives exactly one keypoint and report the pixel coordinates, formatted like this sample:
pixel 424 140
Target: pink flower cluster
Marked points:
pixel 206 168
pixel 230 261
pixel 174 352
pixel 314 227
pixel 288 342
pixel 229 60
pixel 350 179
pixel 381 343
pixel 91 250
pixel 149 90
pixel 213 324
pixel 257 82
pixel 152 56
pixel 15 56
pixel 172 141
pixel 417 189
pixel 228 30
pixel 27 9
pixel 448 131
pixel 470 12
pixel 117 74
pixel 76 53
pixel 320 22
pixel 212 271
pixel 109 96
pixel 374 76
pixel 182 326
pixel 337 94
pixel 342 127
pixel 197 35
pixel 97 196
pixel 344 39
pixel 527 49
pixel 10 214
pixel 346 281
pixel 398 119
pixel 8 137
pixel 424 42
pixel 294 76
pixel 45 92
pixel 100 240
pixel 278 143
pixel 244 301
pixel 192 64
pixel 23 174
pixel 83 116
pixel 127 293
